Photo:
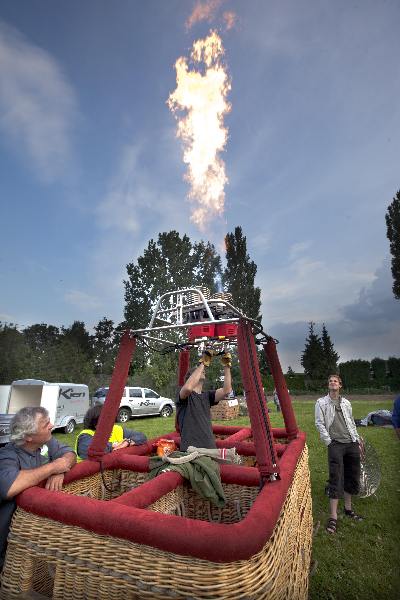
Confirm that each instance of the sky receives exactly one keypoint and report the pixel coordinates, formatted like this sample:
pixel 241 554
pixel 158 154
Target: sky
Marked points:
pixel 91 168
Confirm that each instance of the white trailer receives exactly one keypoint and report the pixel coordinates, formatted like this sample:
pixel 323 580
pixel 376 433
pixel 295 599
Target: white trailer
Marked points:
pixel 4 393
pixel 67 403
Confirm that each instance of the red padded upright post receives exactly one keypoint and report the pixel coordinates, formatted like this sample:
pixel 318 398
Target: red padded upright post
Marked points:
pixel 113 400
pixel 281 389
pixel 183 367
pixel 184 361
pixel 256 403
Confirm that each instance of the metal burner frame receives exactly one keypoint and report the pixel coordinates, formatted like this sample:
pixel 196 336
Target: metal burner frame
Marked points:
pixel 171 309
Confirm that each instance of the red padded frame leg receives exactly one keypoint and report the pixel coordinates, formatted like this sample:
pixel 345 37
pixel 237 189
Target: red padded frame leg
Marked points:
pixel 183 367
pixel 113 400
pixel 256 404
pixel 184 362
pixel 281 389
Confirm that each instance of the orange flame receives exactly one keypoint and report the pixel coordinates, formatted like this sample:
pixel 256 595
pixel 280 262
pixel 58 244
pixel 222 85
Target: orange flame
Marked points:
pixel 203 96
pixel 203 11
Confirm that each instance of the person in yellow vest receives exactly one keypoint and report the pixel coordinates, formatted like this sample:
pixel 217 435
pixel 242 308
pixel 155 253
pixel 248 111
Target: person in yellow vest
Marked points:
pixel 120 437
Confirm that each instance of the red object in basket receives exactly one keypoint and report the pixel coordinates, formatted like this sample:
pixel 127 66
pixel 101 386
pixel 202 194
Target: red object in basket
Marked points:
pixel 226 330
pixel 199 331
pixel 165 447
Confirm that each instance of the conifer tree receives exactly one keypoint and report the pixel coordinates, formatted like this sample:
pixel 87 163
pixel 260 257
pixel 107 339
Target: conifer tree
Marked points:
pixel 290 372
pixel 312 358
pixel 393 234
pixel 330 356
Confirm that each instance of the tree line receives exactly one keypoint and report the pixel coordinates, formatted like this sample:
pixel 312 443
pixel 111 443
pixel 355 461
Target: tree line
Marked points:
pixel 319 360
pixel 44 351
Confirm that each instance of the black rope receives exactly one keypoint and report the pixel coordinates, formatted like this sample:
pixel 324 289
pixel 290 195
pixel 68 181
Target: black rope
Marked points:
pixel 149 347
pixel 102 477
pixel 265 339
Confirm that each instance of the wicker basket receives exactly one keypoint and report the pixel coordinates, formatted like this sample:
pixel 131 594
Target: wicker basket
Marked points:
pixel 71 563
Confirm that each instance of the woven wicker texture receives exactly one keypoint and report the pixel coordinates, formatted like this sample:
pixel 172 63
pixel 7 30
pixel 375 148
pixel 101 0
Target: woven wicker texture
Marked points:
pixel 109 485
pixel 70 563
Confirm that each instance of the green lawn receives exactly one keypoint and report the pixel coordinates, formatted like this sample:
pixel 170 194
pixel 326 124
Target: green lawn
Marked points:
pixel 361 561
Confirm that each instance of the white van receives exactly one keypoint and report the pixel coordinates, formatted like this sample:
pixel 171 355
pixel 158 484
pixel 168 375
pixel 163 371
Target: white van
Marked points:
pixel 66 403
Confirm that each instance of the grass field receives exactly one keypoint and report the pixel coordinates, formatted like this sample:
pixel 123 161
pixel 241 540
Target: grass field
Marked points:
pixel 362 560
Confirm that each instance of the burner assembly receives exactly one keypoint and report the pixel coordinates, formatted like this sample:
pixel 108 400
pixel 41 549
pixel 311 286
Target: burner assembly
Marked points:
pixel 203 318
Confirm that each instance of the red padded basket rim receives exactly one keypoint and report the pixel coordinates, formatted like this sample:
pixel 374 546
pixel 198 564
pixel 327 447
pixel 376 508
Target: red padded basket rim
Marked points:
pixel 209 541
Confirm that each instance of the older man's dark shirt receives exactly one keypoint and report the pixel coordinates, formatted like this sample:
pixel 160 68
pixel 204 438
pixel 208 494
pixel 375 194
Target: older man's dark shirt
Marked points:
pixel 13 459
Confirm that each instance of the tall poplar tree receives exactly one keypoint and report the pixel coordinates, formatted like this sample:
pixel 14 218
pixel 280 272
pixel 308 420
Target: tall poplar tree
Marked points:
pixel 239 275
pixel 103 346
pixel 393 234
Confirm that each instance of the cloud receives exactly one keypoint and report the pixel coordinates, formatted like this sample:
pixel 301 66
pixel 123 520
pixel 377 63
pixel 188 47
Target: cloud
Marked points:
pixel 375 311
pixel 126 194
pixel 367 327
pixel 135 199
pixel 299 248
pixel 82 300
pixel 260 242
pixel 309 289
pixel 37 104
pixel 135 208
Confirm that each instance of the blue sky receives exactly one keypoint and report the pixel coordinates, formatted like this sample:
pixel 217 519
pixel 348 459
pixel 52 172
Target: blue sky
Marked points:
pixel 90 168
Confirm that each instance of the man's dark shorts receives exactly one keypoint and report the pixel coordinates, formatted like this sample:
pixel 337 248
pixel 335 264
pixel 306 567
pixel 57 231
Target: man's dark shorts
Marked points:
pixel 344 468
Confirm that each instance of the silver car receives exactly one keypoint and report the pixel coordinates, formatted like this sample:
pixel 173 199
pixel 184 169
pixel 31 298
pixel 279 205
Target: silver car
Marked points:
pixel 137 402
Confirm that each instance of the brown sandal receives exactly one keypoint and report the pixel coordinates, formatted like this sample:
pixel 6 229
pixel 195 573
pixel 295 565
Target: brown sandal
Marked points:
pixel 331 526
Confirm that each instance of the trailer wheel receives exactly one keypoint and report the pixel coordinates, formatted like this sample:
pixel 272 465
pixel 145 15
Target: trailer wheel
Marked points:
pixel 70 426
pixel 124 414
pixel 166 411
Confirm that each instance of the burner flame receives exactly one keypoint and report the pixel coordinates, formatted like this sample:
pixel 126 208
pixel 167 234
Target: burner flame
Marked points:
pixel 202 95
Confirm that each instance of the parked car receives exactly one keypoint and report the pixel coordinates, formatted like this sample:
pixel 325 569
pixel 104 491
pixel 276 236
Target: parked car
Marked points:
pixel 138 402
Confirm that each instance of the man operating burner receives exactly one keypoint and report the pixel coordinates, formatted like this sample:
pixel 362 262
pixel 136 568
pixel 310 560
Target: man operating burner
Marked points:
pixel 193 405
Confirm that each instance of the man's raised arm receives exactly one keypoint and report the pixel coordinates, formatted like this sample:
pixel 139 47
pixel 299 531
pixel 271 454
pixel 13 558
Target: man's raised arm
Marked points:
pixel 224 391
pixel 197 377
pixel 192 382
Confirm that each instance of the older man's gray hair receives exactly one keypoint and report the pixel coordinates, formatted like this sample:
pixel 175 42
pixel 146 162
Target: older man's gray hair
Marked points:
pixel 24 423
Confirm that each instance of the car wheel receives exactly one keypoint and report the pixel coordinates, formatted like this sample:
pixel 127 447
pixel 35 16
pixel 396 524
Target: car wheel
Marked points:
pixel 70 426
pixel 166 411
pixel 124 414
